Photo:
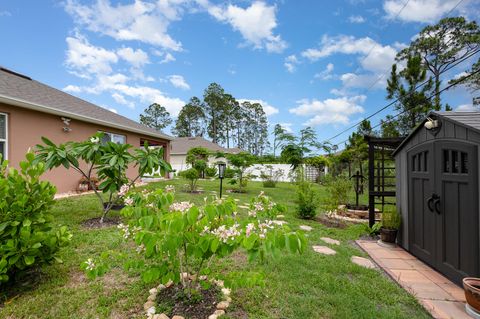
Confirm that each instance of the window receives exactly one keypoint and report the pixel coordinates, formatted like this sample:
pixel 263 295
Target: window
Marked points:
pixel 112 137
pixel 455 162
pixel 3 136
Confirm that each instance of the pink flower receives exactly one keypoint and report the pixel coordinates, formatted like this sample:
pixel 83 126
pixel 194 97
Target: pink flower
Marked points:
pixel 180 207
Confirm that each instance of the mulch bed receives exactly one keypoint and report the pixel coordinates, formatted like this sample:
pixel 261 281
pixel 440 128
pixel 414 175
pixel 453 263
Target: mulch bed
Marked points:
pixel 171 301
pixel 94 223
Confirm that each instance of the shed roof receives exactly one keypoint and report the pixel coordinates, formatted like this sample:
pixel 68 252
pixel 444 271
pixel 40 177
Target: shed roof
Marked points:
pixel 20 90
pixel 470 120
pixel 181 145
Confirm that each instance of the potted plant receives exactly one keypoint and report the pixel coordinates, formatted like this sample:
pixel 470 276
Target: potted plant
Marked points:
pixel 391 221
pixel 471 286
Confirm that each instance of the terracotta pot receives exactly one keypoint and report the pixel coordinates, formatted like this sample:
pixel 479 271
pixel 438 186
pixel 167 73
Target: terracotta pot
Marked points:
pixel 388 235
pixel 471 286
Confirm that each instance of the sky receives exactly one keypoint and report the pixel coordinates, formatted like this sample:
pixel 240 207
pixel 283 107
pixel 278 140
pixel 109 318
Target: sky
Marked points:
pixel 313 63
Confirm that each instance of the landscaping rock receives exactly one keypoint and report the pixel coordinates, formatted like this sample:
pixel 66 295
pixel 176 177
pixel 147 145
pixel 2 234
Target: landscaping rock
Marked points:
pixel 305 227
pixel 364 262
pixel 212 317
pixel 152 297
pixel 148 305
pixel 160 287
pixel 280 216
pixel 226 291
pixel 331 241
pixel 279 222
pixel 153 291
pixel 222 305
pixel 161 316
pixel 324 250
pixel 150 311
pixel 177 317
pixel 219 313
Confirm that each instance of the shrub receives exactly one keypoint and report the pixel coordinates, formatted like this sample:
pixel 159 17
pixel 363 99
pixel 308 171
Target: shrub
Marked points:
pixel 192 175
pixel 28 237
pixel 338 189
pixel 391 219
pixel 229 172
pixel 180 237
pixel 307 201
pixel 241 162
pixel 211 171
pixel 270 176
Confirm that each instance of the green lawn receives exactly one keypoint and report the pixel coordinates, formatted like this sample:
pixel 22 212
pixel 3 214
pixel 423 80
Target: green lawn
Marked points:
pixel 297 286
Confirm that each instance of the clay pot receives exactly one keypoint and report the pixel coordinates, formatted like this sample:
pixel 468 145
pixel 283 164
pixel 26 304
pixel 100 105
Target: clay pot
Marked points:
pixel 471 286
pixel 388 235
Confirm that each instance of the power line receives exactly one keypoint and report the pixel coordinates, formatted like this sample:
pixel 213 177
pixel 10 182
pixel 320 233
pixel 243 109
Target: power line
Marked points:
pixel 396 100
pixel 428 98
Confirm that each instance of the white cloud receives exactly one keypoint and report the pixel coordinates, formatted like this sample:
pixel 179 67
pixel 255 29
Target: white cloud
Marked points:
pixel 325 74
pixel 84 59
pixel 178 81
pixel 291 62
pixel 5 13
pixel 426 11
pixel 256 23
pixel 119 98
pixel 352 80
pixel 267 108
pixel 467 108
pixel 137 58
pixel 356 19
pixel 329 111
pixel 140 21
pixel 72 89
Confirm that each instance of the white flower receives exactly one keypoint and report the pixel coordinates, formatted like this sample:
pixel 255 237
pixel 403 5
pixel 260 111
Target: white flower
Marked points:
pixel 252 213
pixel 180 207
pixel 128 201
pixel 125 229
pixel 170 189
pixel 94 140
pixel 123 190
pixel 90 264
pixel 249 229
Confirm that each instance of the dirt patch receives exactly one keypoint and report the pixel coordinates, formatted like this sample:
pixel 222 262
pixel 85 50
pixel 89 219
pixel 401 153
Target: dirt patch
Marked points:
pixel 194 192
pixel 95 223
pixel 172 301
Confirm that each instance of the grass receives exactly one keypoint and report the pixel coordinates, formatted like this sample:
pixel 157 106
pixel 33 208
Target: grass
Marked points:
pixel 296 286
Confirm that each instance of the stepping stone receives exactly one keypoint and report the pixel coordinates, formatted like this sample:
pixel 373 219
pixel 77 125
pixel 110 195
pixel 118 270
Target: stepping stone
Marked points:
pixel 279 222
pixel 305 227
pixel 324 250
pixel 242 206
pixel 330 241
pixel 280 216
pixel 364 262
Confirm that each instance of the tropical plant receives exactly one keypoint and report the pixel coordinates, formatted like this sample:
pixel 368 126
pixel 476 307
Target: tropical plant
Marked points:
pixel 181 239
pixel 307 201
pixel 211 171
pixel 374 230
pixel 28 236
pixel 109 160
pixel 241 162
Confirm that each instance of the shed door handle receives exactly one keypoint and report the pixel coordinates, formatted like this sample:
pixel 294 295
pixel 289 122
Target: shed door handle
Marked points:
pixel 432 202
pixel 436 204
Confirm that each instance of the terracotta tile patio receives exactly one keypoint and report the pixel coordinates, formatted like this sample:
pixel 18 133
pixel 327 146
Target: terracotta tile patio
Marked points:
pixel 441 297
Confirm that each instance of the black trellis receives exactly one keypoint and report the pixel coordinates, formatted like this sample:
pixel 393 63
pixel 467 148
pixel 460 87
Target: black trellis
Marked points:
pixel 381 172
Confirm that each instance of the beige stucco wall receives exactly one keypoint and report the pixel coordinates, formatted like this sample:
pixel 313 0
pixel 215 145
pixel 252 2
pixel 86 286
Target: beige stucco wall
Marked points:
pixel 26 127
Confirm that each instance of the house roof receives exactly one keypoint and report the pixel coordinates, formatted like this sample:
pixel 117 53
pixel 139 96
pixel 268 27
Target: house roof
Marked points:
pixel 20 90
pixel 467 119
pixel 181 145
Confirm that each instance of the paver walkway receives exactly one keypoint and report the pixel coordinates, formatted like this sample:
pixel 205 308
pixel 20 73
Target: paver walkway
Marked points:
pixel 441 297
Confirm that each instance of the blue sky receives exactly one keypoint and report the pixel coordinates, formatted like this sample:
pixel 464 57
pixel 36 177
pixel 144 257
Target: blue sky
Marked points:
pixel 308 62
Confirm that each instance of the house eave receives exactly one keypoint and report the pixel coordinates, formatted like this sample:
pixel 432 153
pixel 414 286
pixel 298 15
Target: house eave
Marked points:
pixel 45 109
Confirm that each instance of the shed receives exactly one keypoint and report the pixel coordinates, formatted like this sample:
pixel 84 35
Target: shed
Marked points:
pixel 437 193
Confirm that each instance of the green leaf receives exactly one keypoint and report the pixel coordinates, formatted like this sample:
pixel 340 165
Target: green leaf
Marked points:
pixel 29 260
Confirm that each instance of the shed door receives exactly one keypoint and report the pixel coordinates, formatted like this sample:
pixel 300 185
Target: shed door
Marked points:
pixel 421 220
pixel 457 210
pixel 443 207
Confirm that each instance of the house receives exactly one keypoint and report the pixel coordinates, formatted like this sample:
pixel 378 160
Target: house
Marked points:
pixel 30 110
pixel 437 193
pixel 181 145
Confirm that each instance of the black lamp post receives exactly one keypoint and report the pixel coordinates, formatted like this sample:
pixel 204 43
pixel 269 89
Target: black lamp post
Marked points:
pixel 221 175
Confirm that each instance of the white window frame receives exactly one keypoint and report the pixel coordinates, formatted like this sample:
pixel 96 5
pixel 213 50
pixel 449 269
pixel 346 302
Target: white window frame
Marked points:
pixel 6 135
pixel 111 134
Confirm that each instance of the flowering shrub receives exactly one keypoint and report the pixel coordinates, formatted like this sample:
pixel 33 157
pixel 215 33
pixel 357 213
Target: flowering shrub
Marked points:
pixel 28 237
pixel 109 160
pixel 182 238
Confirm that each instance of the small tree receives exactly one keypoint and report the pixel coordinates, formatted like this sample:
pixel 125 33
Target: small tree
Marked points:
pixel 109 160
pixel 197 157
pixel 192 176
pixel 156 116
pixel 293 155
pixel 241 162
pixel 270 176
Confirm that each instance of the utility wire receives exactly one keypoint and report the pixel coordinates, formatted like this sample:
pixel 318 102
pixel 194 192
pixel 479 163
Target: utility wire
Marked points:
pixel 428 98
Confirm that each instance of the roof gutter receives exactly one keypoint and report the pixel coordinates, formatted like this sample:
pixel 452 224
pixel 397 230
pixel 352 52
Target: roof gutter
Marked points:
pixel 50 110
